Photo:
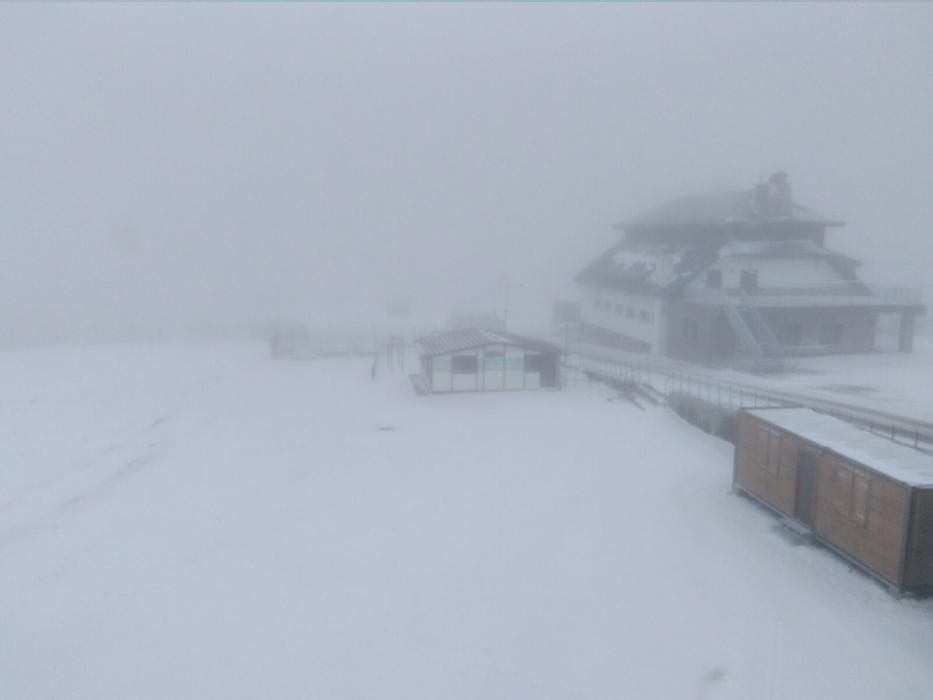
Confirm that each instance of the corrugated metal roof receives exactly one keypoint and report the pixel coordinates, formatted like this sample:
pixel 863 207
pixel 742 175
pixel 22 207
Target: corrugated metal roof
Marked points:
pixel 884 456
pixel 471 338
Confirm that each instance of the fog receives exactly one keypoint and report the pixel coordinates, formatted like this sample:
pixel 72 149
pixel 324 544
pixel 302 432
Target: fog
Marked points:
pixel 288 409
pixel 242 164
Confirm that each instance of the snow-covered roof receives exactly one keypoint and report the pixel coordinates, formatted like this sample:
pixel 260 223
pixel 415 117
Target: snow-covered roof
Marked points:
pixel 897 461
pixel 647 268
pixel 463 339
pixel 784 249
pixel 723 208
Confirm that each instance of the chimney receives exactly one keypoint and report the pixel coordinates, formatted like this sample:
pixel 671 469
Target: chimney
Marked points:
pixel 779 196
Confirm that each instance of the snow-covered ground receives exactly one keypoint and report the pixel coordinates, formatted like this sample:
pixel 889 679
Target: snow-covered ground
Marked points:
pixel 896 382
pixel 203 522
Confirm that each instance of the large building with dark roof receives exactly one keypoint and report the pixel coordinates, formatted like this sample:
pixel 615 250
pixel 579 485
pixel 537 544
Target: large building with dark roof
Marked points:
pixel 736 277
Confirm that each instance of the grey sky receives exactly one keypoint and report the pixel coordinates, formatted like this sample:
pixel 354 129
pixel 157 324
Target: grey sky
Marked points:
pixel 252 161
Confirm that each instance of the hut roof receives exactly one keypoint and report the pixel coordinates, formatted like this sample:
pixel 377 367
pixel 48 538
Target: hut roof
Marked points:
pixel 471 338
pixel 889 458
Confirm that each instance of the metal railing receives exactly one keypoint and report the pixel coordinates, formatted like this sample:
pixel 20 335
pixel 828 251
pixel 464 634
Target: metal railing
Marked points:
pixel 736 395
pixel 843 294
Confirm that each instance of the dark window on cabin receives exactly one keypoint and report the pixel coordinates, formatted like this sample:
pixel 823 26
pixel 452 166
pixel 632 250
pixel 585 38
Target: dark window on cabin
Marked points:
pixel 831 334
pixel 463 364
pixel 748 280
pixel 533 362
pixel 714 279
pixel 620 309
pixel 630 312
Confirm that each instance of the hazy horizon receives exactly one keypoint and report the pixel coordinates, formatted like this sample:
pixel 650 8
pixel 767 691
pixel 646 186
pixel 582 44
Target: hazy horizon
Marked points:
pixel 167 163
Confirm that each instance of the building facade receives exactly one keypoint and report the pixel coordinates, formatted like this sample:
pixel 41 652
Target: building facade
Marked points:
pixel 867 497
pixel 736 276
pixel 481 359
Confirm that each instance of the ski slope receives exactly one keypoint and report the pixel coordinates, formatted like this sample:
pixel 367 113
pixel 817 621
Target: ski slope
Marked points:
pixel 203 522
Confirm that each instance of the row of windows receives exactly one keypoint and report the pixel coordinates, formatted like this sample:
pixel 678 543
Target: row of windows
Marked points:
pixel 748 279
pixel 629 312
pixel 850 489
pixel 470 364
pixel 792 334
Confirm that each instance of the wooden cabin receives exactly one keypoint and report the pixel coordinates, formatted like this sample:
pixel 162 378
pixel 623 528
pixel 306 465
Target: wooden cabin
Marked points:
pixel 866 497
pixel 481 359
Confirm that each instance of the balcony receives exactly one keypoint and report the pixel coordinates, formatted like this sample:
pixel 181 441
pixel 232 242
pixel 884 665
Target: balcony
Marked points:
pixel 844 295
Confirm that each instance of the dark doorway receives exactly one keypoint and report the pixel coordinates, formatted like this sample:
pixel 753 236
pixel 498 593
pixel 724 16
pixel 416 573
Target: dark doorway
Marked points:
pixel 806 488
pixel 547 365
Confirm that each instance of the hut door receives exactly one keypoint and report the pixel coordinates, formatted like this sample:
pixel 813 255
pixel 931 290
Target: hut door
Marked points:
pixel 806 486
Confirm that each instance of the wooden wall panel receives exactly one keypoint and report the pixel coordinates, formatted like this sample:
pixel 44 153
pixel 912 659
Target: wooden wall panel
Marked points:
pixel 919 573
pixel 876 541
pixel 773 482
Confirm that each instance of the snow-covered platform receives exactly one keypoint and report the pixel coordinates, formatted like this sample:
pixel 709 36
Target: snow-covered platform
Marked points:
pixel 204 522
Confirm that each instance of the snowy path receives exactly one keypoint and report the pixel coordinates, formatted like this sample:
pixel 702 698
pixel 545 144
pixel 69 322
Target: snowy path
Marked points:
pixel 203 522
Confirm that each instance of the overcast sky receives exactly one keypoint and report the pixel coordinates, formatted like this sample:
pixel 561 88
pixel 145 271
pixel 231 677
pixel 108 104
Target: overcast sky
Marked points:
pixel 256 161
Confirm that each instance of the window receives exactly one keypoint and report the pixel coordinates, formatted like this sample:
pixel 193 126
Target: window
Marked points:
pixel 842 490
pixel 646 316
pixel 494 359
pixel 463 364
pixel 714 279
pixel 761 451
pixel 630 312
pixel 685 328
pixel 748 280
pixel 851 492
pixel 862 487
pixel 768 451
pixel 620 309
pixel 831 334
pixel 774 453
pixel 532 362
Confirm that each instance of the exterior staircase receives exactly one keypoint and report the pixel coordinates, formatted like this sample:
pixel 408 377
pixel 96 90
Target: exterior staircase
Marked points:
pixel 755 338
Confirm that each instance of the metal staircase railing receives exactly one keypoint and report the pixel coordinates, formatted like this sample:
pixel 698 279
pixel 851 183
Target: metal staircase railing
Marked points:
pixel 756 339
